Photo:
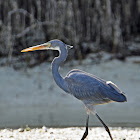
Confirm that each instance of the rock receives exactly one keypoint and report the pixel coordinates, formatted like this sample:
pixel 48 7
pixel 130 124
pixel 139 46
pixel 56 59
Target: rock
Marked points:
pixel 27 128
pixel 21 130
pixel 44 128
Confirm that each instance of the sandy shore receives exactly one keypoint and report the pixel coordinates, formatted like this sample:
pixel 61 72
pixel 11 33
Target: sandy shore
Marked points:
pixel 71 133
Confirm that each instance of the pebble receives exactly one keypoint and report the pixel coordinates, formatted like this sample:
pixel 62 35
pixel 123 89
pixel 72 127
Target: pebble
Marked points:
pixel 21 130
pixel 71 133
pixel 27 128
pixel 44 128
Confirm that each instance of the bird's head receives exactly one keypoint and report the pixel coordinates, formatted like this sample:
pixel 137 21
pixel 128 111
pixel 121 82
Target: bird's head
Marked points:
pixel 50 45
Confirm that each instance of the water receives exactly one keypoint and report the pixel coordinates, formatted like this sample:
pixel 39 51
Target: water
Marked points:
pixel 32 97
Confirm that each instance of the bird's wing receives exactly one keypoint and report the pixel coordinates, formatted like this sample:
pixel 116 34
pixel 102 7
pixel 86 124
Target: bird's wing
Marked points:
pixel 85 86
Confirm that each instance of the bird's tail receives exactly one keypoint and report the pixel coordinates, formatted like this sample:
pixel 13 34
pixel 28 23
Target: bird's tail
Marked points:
pixel 122 98
pixel 118 97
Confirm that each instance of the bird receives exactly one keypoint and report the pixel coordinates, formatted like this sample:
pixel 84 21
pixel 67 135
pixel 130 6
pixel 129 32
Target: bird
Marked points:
pixel 86 87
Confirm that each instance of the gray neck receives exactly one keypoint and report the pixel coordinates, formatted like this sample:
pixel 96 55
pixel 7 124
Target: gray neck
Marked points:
pixel 55 66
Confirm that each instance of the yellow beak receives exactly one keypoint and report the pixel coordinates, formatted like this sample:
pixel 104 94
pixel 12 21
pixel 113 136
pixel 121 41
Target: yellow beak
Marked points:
pixel 38 47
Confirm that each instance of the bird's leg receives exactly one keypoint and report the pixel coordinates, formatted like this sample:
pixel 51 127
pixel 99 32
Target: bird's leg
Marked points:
pixel 106 127
pixel 86 131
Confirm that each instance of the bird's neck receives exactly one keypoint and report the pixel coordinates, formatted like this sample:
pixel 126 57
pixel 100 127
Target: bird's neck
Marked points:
pixel 55 67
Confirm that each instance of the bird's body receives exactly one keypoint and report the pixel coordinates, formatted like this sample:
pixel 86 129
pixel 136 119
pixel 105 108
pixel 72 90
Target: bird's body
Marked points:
pixel 91 89
pixel 86 87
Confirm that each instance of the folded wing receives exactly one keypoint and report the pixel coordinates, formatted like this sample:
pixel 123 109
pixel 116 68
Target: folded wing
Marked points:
pixel 89 88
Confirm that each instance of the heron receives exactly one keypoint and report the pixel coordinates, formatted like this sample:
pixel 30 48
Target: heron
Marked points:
pixel 88 88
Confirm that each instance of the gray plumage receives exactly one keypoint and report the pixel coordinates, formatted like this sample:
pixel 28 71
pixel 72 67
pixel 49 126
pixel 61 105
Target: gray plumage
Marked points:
pixel 91 89
pixel 88 88
pixel 82 85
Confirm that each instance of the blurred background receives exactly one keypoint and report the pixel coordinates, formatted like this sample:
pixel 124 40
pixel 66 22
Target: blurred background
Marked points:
pixel 106 39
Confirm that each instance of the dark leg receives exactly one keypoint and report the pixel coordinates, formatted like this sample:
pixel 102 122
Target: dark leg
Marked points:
pixel 86 131
pixel 106 128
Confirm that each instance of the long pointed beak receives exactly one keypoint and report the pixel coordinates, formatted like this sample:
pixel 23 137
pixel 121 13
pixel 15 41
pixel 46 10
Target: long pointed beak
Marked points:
pixel 38 47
